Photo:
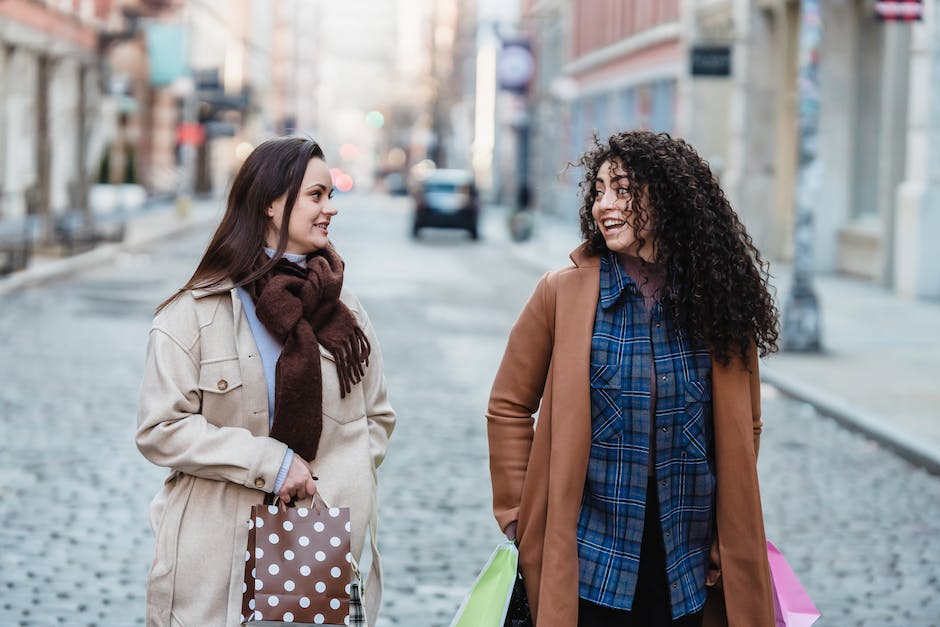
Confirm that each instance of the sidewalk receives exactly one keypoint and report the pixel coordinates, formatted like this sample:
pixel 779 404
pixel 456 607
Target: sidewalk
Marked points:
pixel 156 222
pixel 879 372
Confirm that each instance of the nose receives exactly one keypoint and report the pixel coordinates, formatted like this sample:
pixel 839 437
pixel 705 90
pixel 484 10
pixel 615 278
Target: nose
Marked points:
pixel 608 198
pixel 330 209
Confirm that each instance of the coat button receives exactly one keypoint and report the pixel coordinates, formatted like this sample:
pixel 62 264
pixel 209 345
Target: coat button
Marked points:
pixel 259 482
pixel 222 385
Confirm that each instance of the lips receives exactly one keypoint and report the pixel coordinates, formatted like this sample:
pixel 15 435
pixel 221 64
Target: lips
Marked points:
pixel 323 226
pixel 612 225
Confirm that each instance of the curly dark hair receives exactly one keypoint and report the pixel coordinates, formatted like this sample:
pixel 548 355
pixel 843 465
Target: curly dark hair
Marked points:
pixel 716 282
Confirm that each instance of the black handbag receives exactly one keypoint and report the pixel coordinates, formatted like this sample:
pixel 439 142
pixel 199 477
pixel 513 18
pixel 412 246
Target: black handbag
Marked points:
pixel 518 614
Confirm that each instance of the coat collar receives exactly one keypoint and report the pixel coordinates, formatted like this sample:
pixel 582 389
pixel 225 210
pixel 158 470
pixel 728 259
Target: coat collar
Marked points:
pixel 225 285
pixel 582 259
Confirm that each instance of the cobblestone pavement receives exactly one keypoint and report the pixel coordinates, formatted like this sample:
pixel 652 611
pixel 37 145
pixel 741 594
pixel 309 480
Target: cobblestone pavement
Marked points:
pixel 859 526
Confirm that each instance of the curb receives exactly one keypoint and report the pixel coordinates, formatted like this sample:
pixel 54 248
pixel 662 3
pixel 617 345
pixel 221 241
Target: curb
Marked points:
pixel 96 257
pixel 904 444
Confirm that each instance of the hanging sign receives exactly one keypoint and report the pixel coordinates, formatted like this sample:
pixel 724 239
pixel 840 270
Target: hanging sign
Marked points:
pixel 900 10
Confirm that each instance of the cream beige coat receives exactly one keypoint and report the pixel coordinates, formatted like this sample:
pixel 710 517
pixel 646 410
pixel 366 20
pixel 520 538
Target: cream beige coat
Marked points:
pixel 538 475
pixel 204 415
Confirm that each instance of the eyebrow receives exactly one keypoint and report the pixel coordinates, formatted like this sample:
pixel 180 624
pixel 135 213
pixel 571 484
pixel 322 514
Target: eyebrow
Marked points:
pixel 612 181
pixel 316 185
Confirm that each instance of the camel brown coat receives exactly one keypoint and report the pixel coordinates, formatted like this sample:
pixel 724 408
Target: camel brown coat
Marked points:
pixel 538 474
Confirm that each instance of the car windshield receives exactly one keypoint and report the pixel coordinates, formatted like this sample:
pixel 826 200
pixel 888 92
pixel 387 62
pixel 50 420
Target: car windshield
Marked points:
pixel 450 188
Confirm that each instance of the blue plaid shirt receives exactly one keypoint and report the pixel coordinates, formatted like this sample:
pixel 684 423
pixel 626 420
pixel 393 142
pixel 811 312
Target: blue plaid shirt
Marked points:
pixel 627 342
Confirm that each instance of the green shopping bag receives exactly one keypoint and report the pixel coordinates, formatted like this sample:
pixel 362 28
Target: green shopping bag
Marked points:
pixel 488 600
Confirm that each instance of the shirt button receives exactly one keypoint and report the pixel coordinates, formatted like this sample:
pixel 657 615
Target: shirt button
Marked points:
pixel 665 377
pixel 663 483
pixel 667 534
pixel 675 585
pixel 259 482
pixel 222 385
pixel 665 429
pixel 659 324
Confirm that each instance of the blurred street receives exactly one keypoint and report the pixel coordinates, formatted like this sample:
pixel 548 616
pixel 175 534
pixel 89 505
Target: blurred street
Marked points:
pixel 860 526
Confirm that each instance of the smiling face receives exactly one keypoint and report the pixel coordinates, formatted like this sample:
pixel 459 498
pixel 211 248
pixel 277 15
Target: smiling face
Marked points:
pixel 308 228
pixel 615 210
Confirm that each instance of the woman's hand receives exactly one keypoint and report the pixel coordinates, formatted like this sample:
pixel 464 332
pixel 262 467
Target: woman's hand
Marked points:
pixel 299 484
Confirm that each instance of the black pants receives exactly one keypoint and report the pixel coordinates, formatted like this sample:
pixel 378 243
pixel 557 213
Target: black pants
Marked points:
pixel 651 607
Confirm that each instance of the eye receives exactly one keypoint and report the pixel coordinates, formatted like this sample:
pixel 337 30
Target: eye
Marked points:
pixel 623 192
pixel 315 195
pixel 598 193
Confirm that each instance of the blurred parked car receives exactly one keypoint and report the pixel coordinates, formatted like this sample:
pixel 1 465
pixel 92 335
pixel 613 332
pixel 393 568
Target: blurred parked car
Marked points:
pixel 447 198
pixel 395 184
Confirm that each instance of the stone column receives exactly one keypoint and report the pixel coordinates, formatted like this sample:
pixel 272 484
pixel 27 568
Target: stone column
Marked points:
pixel 917 255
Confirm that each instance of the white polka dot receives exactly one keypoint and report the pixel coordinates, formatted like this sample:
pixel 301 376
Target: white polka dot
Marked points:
pixel 272 509
pixel 334 541
pixel 346 620
pixel 259 552
pixel 258 522
pixel 348 588
pixel 335 571
pixel 302 512
pixel 348 526
pixel 273 539
pixel 288 555
pixel 242 617
pixel 288 525
pixel 244 587
pixel 273 601
pixel 253 575
pixel 334 603
pixel 288 617
pixel 258 615
pixel 251 604
pixel 303 540
pixel 251 523
pixel 318 527
pixel 334 512
pixel 289 585
pixel 349 557
pixel 320 587
pixel 304 570
pixel 318 619
pixel 320 555
pixel 247 556
pixel 304 602
pixel 258 584
pixel 274 569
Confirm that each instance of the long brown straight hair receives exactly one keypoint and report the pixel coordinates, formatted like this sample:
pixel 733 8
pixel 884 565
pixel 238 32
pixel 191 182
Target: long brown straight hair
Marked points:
pixel 273 169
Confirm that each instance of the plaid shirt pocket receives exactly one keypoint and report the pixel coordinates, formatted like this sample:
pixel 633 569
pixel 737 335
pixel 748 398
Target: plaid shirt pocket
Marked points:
pixel 698 399
pixel 606 387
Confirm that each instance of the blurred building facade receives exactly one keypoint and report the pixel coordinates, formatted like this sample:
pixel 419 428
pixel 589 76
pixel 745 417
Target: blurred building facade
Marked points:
pixel 723 74
pixel 50 100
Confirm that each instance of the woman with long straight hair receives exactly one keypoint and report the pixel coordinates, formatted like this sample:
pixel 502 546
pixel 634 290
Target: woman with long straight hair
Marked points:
pixel 263 377
pixel 634 498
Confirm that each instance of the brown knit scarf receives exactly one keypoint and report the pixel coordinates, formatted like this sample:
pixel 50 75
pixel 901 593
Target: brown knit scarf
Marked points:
pixel 301 308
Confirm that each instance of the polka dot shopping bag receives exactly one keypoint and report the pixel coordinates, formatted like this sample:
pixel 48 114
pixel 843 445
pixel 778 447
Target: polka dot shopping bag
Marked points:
pixel 298 567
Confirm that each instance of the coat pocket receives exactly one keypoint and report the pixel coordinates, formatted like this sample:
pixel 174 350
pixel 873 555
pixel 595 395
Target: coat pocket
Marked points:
pixel 696 431
pixel 341 409
pixel 606 411
pixel 220 383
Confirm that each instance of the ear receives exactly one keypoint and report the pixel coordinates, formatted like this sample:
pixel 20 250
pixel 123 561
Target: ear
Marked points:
pixel 269 211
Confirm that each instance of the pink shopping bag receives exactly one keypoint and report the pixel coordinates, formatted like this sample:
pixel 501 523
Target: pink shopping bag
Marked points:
pixel 792 605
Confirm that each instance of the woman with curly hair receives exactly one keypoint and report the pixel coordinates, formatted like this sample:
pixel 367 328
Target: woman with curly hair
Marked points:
pixel 634 499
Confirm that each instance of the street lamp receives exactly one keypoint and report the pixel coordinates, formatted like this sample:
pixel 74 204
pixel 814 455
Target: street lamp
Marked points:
pixel 801 316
